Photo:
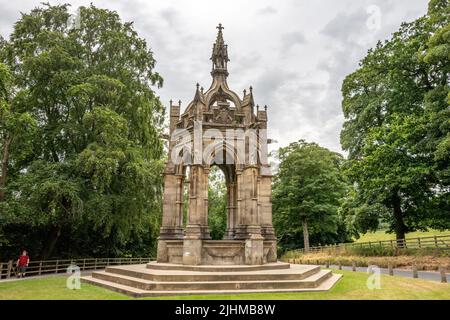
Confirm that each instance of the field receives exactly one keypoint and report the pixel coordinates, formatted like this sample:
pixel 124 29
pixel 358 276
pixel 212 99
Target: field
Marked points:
pixel 351 287
pixel 381 235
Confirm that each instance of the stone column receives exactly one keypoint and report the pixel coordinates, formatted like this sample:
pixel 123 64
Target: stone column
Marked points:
pixel 197 224
pixel 231 210
pixel 249 228
pixel 172 225
pixel 248 217
pixel 265 210
pixel 239 205
pixel 172 219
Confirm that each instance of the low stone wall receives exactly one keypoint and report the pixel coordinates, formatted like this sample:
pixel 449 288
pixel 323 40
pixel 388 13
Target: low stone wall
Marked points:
pixel 216 252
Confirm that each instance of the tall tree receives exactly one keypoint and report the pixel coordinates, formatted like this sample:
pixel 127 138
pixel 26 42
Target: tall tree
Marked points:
pixel 16 128
pixel 307 192
pixel 393 105
pixel 97 153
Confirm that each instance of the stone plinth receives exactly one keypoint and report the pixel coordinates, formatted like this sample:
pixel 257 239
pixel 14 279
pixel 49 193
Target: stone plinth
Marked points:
pixel 158 279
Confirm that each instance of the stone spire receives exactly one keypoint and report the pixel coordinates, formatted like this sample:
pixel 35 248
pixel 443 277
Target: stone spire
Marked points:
pixel 219 55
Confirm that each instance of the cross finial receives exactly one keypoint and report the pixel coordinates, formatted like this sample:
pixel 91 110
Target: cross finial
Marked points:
pixel 220 27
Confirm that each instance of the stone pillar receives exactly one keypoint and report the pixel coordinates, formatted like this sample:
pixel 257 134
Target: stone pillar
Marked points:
pixel 192 251
pixel 254 249
pixel 197 224
pixel 265 207
pixel 172 219
pixel 248 216
pixel 231 210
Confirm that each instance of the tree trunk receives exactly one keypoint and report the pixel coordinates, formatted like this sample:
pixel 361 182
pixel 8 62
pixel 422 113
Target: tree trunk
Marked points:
pixel 305 234
pixel 5 161
pixel 400 228
pixel 51 242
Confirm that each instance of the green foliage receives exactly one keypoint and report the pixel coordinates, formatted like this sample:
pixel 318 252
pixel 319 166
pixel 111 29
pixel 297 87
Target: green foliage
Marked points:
pixel 396 130
pixel 217 203
pixel 85 175
pixel 309 185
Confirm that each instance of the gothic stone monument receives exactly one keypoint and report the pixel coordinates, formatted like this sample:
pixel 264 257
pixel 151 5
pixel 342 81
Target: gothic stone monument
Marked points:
pixel 218 128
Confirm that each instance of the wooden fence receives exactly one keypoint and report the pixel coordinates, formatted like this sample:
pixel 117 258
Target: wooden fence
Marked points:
pixel 436 242
pixel 37 268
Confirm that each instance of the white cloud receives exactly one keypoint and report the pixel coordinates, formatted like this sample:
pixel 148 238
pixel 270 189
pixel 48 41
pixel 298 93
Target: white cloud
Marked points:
pixel 294 53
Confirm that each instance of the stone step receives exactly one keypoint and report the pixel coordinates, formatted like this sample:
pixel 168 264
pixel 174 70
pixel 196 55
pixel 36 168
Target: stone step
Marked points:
pixel 326 285
pixel 217 268
pixel 136 271
pixel 309 282
pixel 130 291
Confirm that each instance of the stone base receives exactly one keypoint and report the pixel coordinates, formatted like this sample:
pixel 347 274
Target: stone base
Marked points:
pixel 159 279
pixel 193 251
pixel 166 233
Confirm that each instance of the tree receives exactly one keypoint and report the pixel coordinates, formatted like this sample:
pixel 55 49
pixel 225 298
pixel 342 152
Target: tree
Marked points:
pixel 307 193
pixel 217 203
pixel 395 106
pixel 16 128
pixel 96 158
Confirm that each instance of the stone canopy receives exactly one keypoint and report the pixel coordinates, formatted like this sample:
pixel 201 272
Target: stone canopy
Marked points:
pixel 218 128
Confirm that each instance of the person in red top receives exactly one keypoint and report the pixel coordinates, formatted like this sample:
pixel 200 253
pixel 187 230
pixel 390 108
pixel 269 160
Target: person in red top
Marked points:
pixel 22 264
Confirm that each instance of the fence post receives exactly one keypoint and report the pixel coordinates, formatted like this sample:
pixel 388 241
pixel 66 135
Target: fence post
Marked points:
pixel 95 264
pixel 56 267
pixel 10 264
pixel 390 269
pixel 418 242
pixel 1 270
pixel 84 264
pixel 327 264
pixel 392 244
pixel 415 272
pixel 339 265
pixel 443 275
pixel 40 268
pixel 435 242
pixel 353 266
pixel 107 261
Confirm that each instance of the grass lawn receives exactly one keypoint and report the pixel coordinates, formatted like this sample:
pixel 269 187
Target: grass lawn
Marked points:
pixel 351 286
pixel 381 235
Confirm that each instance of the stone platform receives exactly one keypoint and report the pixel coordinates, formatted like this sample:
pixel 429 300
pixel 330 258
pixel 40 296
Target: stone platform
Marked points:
pixel 162 279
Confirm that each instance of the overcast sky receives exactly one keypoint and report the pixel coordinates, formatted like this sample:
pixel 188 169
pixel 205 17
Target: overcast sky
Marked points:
pixel 295 54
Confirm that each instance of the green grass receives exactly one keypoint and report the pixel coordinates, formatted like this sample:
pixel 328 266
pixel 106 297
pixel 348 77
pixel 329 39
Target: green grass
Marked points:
pixel 381 235
pixel 351 286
